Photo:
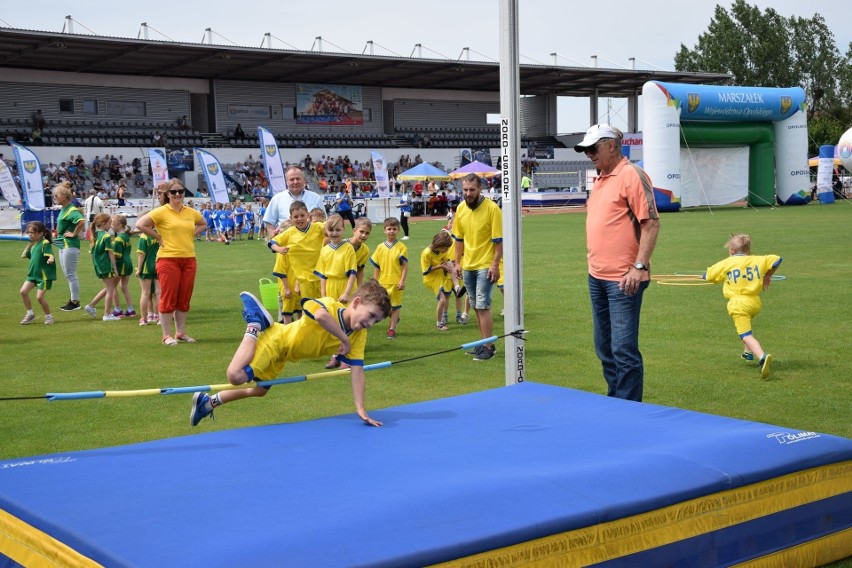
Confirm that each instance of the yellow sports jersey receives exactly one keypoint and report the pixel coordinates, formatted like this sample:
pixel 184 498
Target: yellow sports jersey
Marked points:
pixel 742 274
pixel 480 229
pixel 436 279
pixel 336 264
pixel 305 245
pixel 177 230
pixel 305 339
pixel 389 258
pixel 362 255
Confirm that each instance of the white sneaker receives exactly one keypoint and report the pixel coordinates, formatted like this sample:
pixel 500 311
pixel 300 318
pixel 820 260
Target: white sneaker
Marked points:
pixel 111 317
pixel 28 319
pixel 91 311
pixel 405 238
pixel 48 320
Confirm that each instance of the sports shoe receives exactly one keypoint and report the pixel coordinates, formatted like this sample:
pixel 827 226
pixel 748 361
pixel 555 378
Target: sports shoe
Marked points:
pixel 765 363
pixel 333 363
pixel 111 317
pixel 91 311
pixel 463 319
pixel 485 353
pixel 130 313
pixel 254 312
pixel 442 327
pixel 473 351
pixel 405 238
pixel 71 306
pixel 460 291
pixel 143 321
pixel 170 341
pixel 118 313
pixel 28 319
pixel 747 356
pixel 199 408
pixel 391 333
pixel 185 338
pixel 48 320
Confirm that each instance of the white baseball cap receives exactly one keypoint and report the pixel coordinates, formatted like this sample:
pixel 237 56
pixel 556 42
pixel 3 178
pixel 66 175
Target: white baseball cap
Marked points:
pixel 594 135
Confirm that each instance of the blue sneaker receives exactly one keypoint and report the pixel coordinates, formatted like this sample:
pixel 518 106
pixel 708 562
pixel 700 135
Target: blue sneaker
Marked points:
pixel 199 408
pixel 747 355
pixel 254 312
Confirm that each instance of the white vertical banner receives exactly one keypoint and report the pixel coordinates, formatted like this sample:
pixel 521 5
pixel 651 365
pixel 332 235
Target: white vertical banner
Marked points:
pixel 8 187
pixel 271 160
pixel 380 169
pixel 825 174
pixel 159 166
pixel 213 176
pixel 510 151
pixel 29 172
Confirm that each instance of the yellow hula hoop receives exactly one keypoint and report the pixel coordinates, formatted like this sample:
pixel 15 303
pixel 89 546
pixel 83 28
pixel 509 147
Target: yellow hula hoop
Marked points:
pixel 683 283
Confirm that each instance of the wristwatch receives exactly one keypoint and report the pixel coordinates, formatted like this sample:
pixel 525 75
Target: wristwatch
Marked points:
pixel 640 266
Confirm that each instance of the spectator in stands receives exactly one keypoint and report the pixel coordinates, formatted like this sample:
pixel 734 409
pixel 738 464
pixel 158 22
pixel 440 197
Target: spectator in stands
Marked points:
pixel 183 123
pixel 279 206
pixel 38 121
pixel 35 137
pixel 158 139
pixel 121 194
pixel 238 132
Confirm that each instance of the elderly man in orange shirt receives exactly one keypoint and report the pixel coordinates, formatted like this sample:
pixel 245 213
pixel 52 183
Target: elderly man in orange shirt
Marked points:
pixel 621 231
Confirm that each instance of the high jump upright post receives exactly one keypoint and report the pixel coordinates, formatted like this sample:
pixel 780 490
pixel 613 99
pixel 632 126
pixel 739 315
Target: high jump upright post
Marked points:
pixel 510 154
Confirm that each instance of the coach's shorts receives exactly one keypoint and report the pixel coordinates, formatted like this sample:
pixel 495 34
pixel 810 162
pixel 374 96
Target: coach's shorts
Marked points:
pixel 478 288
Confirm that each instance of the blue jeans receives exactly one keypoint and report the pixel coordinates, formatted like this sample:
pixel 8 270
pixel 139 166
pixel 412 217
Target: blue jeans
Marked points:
pixel 616 327
pixel 478 288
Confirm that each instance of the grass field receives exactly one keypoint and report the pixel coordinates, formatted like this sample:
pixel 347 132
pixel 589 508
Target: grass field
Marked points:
pixel 690 347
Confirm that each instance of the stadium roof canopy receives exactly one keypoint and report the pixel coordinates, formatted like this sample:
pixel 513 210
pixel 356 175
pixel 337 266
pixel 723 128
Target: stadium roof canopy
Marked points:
pixel 76 53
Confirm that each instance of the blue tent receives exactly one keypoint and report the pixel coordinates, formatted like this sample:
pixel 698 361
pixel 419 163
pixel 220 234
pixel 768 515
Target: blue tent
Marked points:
pixel 422 172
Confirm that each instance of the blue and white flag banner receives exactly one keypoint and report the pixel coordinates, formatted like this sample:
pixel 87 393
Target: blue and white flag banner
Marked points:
pixel 213 176
pixel 8 187
pixel 271 160
pixel 159 166
pixel 29 172
pixel 380 169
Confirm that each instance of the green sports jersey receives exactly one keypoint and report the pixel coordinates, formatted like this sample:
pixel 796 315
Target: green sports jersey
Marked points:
pixel 147 246
pixel 39 269
pixel 123 258
pixel 66 222
pixel 100 255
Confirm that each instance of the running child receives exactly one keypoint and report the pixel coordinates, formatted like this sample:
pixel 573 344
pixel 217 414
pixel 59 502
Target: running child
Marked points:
pixel 745 276
pixel 146 270
pixel 41 273
pixel 103 259
pixel 391 267
pixel 122 248
pixel 363 228
pixel 330 328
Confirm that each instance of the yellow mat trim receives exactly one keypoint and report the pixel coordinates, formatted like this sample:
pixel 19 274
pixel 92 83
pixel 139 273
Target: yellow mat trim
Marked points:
pixel 33 548
pixel 816 552
pixel 661 527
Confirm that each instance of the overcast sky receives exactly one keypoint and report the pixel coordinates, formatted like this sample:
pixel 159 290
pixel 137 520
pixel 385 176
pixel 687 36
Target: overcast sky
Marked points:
pixel 649 30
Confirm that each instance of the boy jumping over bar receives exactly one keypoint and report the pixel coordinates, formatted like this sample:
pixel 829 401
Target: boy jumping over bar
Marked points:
pixel 328 327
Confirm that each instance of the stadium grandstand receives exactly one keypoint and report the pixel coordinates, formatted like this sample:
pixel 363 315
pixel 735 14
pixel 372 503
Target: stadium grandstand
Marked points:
pixel 108 96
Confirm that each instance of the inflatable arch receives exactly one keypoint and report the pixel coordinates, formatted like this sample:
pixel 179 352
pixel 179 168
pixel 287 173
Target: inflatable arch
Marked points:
pixel 771 122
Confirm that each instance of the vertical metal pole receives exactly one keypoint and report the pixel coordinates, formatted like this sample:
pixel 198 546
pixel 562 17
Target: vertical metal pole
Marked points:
pixel 510 146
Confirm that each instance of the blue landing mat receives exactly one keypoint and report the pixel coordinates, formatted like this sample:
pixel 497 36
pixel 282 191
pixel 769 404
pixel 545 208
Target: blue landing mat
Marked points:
pixel 442 480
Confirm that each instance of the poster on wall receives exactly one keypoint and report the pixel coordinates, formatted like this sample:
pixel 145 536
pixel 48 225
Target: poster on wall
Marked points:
pixel 340 105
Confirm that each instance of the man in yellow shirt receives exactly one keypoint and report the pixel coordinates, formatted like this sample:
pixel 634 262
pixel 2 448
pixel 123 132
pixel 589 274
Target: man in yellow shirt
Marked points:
pixel 478 232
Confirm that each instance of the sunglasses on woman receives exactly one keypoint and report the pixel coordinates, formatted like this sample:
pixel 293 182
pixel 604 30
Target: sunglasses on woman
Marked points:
pixel 176 191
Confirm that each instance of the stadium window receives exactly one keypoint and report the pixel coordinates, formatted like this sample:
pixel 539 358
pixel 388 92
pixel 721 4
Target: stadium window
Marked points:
pixel 90 106
pixel 368 115
pixel 126 108
pixel 66 105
